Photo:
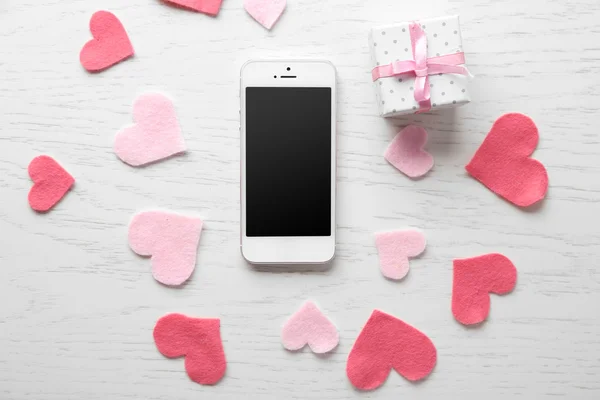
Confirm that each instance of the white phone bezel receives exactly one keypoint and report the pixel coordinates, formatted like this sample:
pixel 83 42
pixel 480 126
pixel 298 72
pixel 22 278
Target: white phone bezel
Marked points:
pixel 287 250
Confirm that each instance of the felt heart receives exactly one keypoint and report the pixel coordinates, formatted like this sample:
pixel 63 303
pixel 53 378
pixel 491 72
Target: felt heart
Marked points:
pixel 406 152
pixel 50 183
pixel 502 162
pixel 310 326
pixel 395 248
pixel 110 44
pixel 172 242
pixel 210 7
pixel 385 343
pixel 155 135
pixel 196 339
pixel 474 279
pixel 265 12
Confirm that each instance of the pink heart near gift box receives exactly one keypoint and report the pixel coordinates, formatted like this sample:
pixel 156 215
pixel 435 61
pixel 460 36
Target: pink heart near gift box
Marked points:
pixel 419 66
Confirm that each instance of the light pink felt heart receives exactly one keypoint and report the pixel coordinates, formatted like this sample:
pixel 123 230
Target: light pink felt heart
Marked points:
pixel 310 326
pixel 172 242
pixel 406 152
pixel 395 248
pixel 109 46
pixel 155 135
pixel 265 12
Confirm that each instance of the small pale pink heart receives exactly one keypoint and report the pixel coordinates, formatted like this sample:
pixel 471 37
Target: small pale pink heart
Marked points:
pixel 154 136
pixel 265 12
pixel 310 326
pixel 395 248
pixel 406 152
pixel 172 242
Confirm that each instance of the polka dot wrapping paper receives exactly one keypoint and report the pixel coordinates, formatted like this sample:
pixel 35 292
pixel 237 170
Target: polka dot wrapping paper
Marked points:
pixel 390 43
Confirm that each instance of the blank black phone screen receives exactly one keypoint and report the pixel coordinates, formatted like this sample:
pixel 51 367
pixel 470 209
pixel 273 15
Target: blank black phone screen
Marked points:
pixel 288 161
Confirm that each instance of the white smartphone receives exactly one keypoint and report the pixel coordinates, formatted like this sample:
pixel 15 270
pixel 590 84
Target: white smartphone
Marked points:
pixel 288 162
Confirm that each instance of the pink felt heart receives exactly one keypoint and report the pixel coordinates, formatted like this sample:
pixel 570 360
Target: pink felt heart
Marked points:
pixel 196 339
pixel 406 152
pixel 474 280
pixel 395 248
pixel 156 134
pixel 310 326
pixel 110 44
pixel 385 343
pixel 210 7
pixel 265 12
pixel 172 242
pixel 50 183
pixel 503 162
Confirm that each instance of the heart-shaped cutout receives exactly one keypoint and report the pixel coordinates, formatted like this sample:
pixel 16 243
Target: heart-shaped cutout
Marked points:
pixel 265 12
pixel 309 326
pixel 503 162
pixel 172 242
pixel 210 7
pixel 406 152
pixel 474 280
pixel 50 183
pixel 395 248
pixel 109 46
pixel 385 343
pixel 154 136
pixel 196 339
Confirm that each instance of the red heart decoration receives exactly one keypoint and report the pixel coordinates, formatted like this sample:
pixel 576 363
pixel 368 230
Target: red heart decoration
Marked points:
pixel 502 162
pixel 196 339
pixel 50 183
pixel 474 279
pixel 385 343
pixel 110 44
pixel 210 7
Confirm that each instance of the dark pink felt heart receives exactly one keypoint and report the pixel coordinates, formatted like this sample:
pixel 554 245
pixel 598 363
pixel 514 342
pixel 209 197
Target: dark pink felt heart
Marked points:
pixel 50 183
pixel 387 343
pixel 503 162
pixel 196 339
pixel 210 7
pixel 110 44
pixel 474 279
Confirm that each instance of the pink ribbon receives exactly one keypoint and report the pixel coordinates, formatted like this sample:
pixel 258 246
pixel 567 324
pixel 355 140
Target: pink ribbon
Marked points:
pixel 422 67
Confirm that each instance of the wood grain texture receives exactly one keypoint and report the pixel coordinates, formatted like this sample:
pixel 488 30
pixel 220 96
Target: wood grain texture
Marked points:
pixel 77 307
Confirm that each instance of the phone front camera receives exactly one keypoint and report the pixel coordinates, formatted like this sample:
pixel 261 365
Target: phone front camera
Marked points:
pixel 289 69
pixel 275 76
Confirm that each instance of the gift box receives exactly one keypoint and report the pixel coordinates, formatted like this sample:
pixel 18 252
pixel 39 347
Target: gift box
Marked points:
pixel 419 66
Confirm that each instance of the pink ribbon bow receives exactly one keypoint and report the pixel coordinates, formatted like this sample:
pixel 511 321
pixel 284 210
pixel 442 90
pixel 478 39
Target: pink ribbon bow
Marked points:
pixel 422 66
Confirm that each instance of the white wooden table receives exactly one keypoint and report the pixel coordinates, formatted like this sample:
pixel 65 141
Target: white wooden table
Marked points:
pixel 77 307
